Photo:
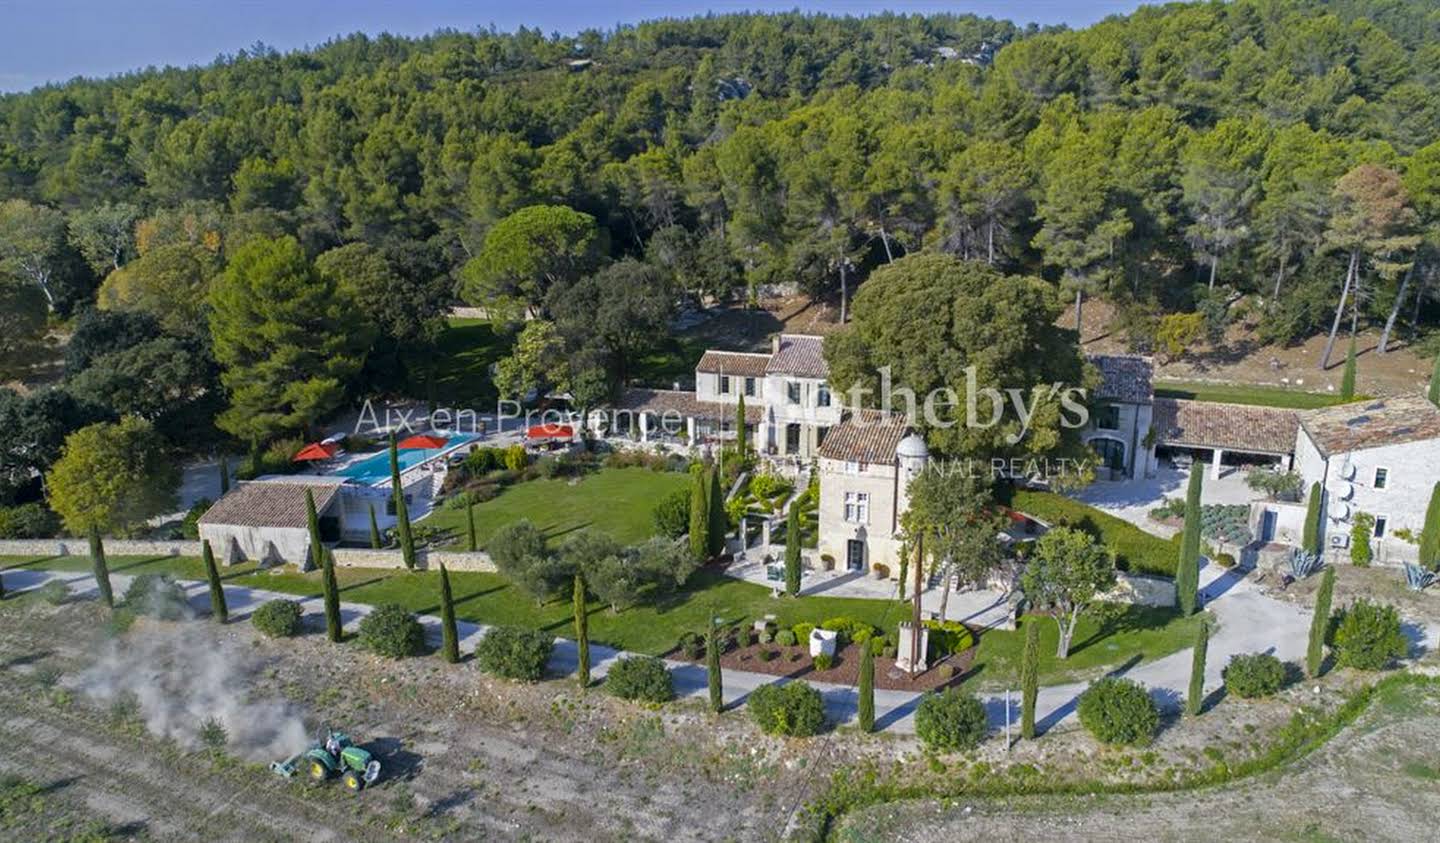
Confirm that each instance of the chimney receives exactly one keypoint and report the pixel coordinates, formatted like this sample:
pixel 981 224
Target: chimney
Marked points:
pixel 775 344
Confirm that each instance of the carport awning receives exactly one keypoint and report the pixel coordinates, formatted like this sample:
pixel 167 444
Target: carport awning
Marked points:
pixel 1241 428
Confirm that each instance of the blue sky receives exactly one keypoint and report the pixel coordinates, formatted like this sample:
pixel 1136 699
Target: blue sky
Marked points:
pixel 53 40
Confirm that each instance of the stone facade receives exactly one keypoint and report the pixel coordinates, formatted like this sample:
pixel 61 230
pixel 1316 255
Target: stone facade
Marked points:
pixel 113 547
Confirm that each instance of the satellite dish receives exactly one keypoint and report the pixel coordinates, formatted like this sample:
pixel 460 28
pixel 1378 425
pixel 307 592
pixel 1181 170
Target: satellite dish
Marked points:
pixel 1344 491
pixel 1340 511
pixel 1347 471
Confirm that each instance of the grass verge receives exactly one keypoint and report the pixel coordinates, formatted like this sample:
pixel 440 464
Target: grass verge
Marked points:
pixel 1264 396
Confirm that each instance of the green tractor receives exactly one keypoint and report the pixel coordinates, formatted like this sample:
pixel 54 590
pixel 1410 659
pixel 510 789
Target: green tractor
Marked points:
pixel 334 754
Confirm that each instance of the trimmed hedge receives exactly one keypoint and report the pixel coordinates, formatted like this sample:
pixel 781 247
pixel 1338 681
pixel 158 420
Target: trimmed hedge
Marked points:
pixel 514 652
pixel 1119 711
pixel 1368 636
pixel 391 630
pixel 1254 675
pixel 951 721
pixel 793 709
pixel 1135 550
pixel 277 619
pixel 643 678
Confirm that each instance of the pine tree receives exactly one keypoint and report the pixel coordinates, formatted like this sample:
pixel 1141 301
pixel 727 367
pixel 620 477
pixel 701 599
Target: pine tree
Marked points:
pixel 866 715
pixel 312 518
pixel 582 631
pixel 1187 571
pixel 742 437
pixel 102 571
pixel 1029 678
pixel 1310 538
pixel 449 634
pixel 1320 623
pixel 699 515
pixel 1434 393
pixel 1195 700
pixel 224 474
pixel 333 628
pixel 719 521
pixel 218 610
pixel 1430 532
pixel 713 676
pixel 1347 376
pixel 375 541
pixel 470 543
pixel 792 551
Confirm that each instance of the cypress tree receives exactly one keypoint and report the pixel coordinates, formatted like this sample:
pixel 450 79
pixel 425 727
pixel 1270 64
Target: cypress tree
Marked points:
pixel 312 518
pixel 1347 376
pixel 699 515
pixel 218 610
pixel 713 676
pixel 333 629
pixel 1029 678
pixel 402 512
pixel 102 571
pixel 1434 393
pixel 1187 571
pixel 470 544
pixel 582 631
pixel 1195 700
pixel 1430 531
pixel 792 551
pixel 375 541
pixel 866 715
pixel 1319 623
pixel 1310 539
pixel 224 474
pixel 449 634
pixel 742 438
pixel 719 521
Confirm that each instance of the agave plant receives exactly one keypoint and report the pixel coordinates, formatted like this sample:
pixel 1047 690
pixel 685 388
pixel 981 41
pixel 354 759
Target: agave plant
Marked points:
pixel 1304 563
pixel 1417 577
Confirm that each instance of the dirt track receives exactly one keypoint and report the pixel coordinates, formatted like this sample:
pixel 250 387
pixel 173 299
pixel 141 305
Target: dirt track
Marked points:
pixel 465 757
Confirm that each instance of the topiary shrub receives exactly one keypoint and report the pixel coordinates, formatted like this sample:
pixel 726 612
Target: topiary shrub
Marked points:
pixel 1368 636
pixel 823 661
pixel 785 638
pixel 392 631
pixel 277 619
pixel 643 678
pixel 802 632
pixel 794 709
pixel 1254 675
pixel 514 652
pixel 951 720
pixel 764 637
pixel 743 635
pixel 1119 711
pixel 158 596
pixel 692 645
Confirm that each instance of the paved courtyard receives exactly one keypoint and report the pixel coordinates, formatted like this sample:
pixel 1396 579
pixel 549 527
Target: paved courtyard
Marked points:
pixel 1132 500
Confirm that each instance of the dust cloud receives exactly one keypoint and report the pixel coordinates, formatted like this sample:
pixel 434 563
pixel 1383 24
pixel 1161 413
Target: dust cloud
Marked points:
pixel 181 676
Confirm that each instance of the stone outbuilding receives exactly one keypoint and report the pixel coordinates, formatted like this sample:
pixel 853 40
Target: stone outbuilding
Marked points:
pixel 265 521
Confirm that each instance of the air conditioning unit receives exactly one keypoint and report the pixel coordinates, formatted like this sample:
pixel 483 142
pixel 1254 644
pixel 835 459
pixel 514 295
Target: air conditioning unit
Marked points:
pixel 1339 540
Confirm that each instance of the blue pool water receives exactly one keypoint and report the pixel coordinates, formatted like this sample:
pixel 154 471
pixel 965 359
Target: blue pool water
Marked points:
pixel 377 468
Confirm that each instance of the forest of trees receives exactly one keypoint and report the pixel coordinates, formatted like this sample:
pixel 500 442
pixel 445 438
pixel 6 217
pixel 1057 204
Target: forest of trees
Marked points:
pixel 333 203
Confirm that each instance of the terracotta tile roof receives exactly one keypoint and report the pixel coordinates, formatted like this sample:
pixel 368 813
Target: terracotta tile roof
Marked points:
pixel 868 436
pixel 683 404
pixel 1372 424
pixel 801 355
pixel 1124 377
pixel 1239 427
pixel 739 363
pixel 269 503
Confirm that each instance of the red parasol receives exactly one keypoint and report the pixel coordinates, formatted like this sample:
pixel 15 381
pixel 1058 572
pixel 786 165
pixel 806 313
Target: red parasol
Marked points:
pixel 426 443
pixel 317 451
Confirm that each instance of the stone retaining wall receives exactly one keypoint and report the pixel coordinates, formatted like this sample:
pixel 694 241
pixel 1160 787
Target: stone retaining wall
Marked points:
pixel 352 557
pixel 113 547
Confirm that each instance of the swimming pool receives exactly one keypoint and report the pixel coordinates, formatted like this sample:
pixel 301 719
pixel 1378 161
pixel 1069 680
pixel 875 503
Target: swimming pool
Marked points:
pixel 372 470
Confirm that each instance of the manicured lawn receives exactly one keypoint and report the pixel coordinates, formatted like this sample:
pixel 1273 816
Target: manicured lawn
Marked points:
pixel 1135 550
pixel 673 360
pixel 1108 637
pixel 491 599
pixel 462 374
pixel 618 501
pixel 1266 396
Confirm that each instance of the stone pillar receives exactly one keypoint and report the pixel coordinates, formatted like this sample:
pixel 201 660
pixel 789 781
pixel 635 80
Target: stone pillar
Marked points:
pixel 765 532
pixel 690 429
pixel 644 428
pixel 1215 466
